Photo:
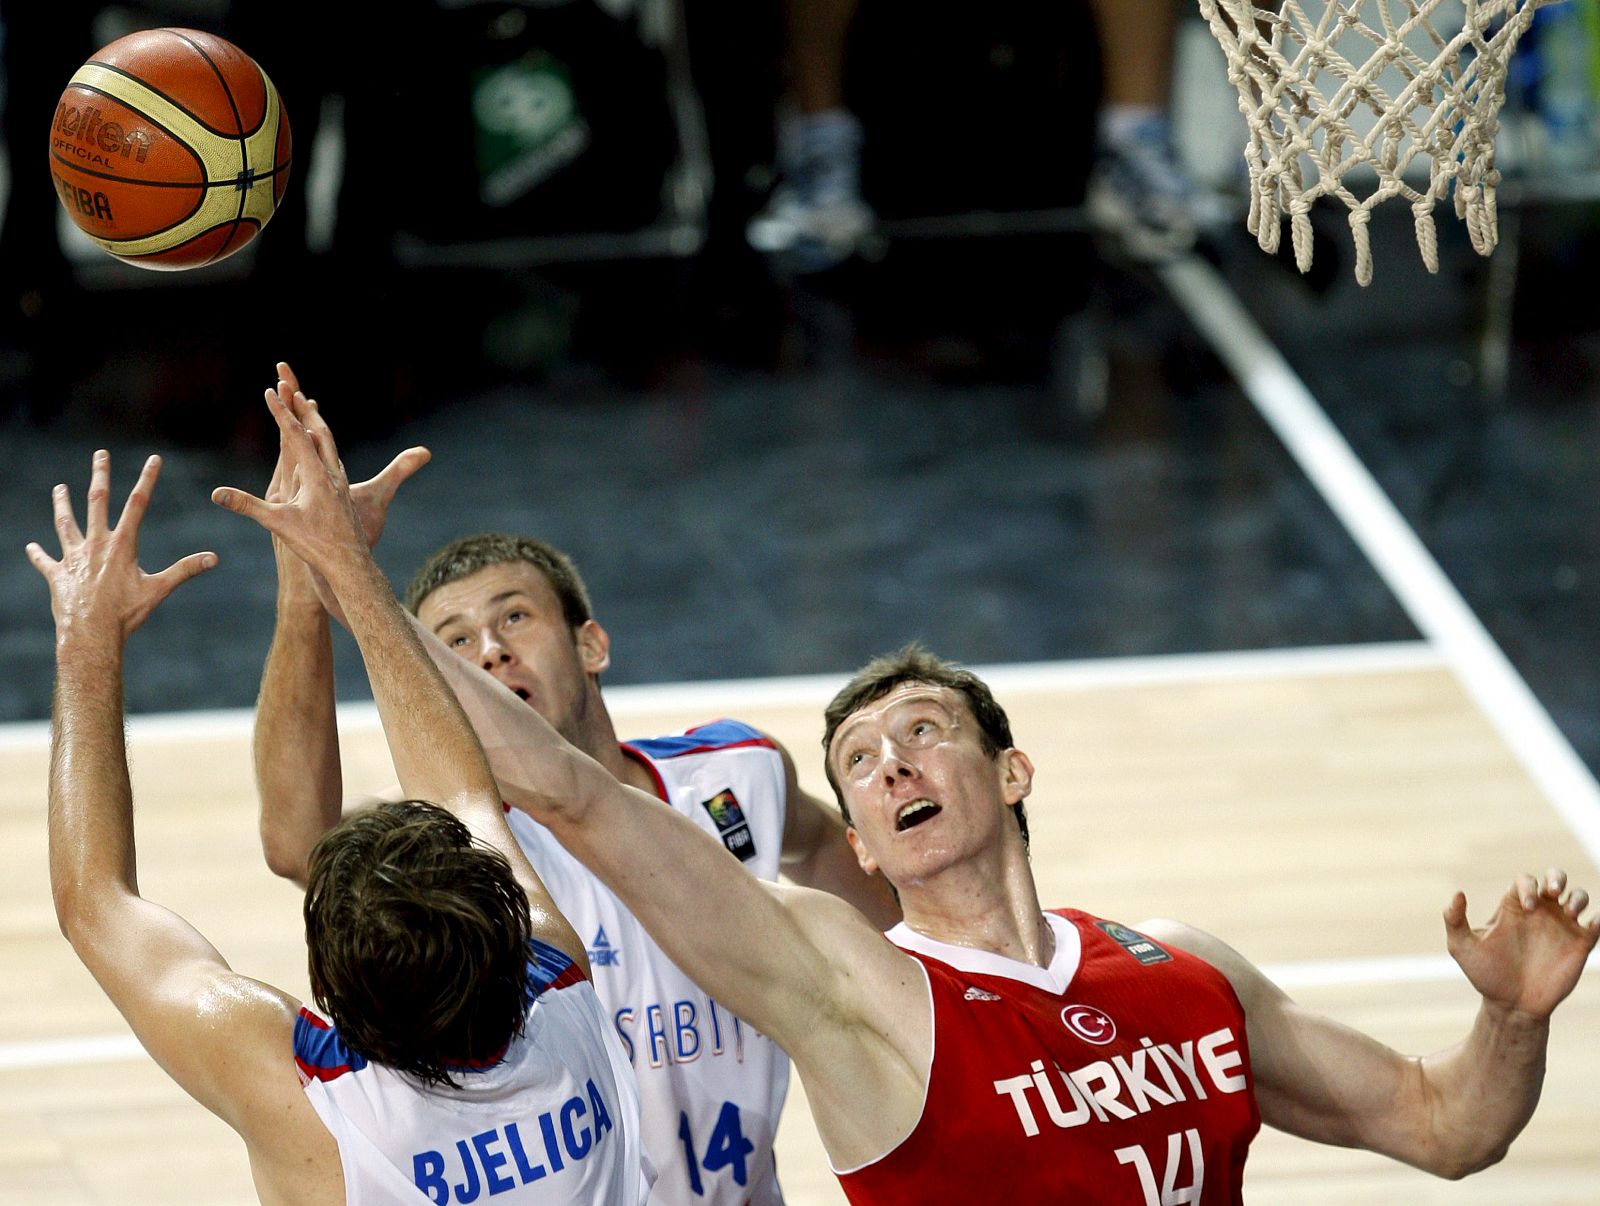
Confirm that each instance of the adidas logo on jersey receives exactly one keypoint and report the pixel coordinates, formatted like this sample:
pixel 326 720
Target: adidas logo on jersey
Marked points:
pixel 601 952
pixel 978 994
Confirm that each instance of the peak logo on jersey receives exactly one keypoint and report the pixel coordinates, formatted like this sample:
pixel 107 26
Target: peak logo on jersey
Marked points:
pixel 728 817
pixel 979 994
pixel 601 952
pixel 1090 1024
pixel 1135 943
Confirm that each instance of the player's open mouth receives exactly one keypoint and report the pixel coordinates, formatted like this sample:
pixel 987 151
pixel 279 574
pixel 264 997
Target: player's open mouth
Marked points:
pixel 914 814
pixel 522 693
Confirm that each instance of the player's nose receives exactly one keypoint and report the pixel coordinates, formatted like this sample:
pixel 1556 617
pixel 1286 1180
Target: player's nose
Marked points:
pixel 491 652
pixel 895 767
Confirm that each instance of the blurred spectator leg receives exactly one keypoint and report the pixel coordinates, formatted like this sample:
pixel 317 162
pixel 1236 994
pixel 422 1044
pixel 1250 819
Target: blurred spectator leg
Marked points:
pixel 1139 194
pixel 816 217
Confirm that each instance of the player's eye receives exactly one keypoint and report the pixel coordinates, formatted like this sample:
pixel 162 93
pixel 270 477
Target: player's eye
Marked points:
pixel 515 615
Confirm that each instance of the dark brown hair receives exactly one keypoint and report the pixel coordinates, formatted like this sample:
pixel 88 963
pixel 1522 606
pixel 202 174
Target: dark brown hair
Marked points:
pixel 914 664
pixel 465 557
pixel 418 940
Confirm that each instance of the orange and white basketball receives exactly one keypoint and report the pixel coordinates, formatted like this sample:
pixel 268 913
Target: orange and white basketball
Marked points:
pixel 170 148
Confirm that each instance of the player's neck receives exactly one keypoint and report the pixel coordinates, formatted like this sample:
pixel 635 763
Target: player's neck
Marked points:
pixel 985 908
pixel 596 736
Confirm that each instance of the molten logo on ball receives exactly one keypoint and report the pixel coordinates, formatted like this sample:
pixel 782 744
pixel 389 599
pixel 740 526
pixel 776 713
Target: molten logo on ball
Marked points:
pixel 84 133
pixel 170 148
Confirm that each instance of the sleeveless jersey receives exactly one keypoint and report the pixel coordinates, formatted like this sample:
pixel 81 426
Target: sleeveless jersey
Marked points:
pixel 555 1120
pixel 711 1088
pixel 1120 1074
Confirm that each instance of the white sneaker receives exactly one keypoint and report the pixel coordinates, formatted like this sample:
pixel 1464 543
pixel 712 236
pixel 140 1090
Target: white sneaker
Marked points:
pixel 1140 195
pixel 815 218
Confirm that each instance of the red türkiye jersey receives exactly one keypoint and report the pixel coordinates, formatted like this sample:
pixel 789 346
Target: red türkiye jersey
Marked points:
pixel 1118 1074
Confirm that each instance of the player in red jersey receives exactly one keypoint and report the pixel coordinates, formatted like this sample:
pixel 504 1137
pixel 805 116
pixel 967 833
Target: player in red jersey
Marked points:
pixel 992 1047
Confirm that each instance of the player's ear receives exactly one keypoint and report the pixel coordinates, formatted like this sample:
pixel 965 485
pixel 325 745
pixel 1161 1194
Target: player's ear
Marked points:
pixel 864 860
pixel 594 646
pixel 1016 775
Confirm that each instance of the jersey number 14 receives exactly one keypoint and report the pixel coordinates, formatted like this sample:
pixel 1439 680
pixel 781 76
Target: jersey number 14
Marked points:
pixel 727 1148
pixel 1170 1194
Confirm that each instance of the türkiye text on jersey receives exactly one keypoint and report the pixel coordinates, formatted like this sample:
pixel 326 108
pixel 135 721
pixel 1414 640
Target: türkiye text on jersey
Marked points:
pixel 1122 1087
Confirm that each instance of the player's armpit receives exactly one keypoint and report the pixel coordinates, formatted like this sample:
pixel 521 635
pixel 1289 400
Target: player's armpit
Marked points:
pixel 866 1020
pixel 1322 1080
pixel 1314 1077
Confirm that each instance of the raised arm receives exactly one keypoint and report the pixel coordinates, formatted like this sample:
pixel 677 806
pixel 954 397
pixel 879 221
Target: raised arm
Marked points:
pixel 155 967
pixel 435 753
pixel 816 854
pixel 1455 1111
pixel 802 966
pixel 296 741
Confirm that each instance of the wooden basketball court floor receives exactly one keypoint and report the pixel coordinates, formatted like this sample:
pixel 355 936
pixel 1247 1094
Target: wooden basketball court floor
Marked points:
pixel 1315 808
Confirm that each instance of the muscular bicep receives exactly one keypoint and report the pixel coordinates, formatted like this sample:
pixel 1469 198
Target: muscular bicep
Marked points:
pixel 225 1038
pixel 1314 1077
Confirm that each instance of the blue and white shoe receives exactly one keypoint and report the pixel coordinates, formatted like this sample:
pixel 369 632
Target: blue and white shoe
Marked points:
pixel 815 218
pixel 1140 195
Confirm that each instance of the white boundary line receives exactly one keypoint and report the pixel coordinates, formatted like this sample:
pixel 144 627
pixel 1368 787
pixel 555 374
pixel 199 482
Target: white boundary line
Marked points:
pixel 1320 973
pixel 1400 558
pixel 817 689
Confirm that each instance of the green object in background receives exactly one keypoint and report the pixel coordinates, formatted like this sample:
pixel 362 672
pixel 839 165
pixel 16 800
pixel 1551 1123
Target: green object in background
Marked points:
pixel 527 126
pixel 1591 30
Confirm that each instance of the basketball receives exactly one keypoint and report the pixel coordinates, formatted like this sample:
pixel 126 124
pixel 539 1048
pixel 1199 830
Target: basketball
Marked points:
pixel 170 148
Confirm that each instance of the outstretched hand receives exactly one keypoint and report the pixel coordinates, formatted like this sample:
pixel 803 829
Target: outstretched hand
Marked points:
pixel 1530 955
pixel 97 586
pixel 371 497
pixel 309 507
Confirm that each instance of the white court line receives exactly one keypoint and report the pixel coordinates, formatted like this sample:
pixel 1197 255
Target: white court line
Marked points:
pixel 1400 558
pixel 1316 973
pixel 1387 969
pixel 817 689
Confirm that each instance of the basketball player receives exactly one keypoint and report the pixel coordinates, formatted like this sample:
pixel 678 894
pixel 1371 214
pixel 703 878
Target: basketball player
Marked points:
pixel 992 1048
pixel 457 1046
pixel 711 1088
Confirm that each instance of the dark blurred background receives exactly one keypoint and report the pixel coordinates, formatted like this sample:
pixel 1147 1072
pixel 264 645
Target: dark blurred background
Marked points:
pixel 987 427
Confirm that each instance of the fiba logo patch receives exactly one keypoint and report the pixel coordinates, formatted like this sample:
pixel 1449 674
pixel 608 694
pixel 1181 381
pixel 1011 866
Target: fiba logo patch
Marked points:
pixel 1135 943
pixel 1090 1024
pixel 731 825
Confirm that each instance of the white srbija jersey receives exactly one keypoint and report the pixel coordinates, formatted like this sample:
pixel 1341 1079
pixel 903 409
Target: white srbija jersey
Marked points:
pixel 555 1120
pixel 711 1088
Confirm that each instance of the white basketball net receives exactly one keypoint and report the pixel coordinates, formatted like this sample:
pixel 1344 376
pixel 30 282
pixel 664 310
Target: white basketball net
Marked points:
pixel 1305 69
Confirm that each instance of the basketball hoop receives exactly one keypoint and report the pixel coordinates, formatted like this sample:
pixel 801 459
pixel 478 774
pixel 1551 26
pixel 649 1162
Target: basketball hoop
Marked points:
pixel 1309 71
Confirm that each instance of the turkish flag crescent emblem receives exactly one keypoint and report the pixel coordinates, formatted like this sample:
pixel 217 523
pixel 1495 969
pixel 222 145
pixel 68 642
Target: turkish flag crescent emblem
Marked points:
pixel 1090 1024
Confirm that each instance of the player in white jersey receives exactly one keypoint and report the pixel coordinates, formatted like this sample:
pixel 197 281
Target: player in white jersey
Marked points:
pixel 464 1018
pixel 711 1089
pixel 554 1119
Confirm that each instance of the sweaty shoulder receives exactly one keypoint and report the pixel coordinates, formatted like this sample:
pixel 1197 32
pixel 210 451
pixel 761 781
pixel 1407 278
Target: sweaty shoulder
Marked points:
pixel 1246 979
